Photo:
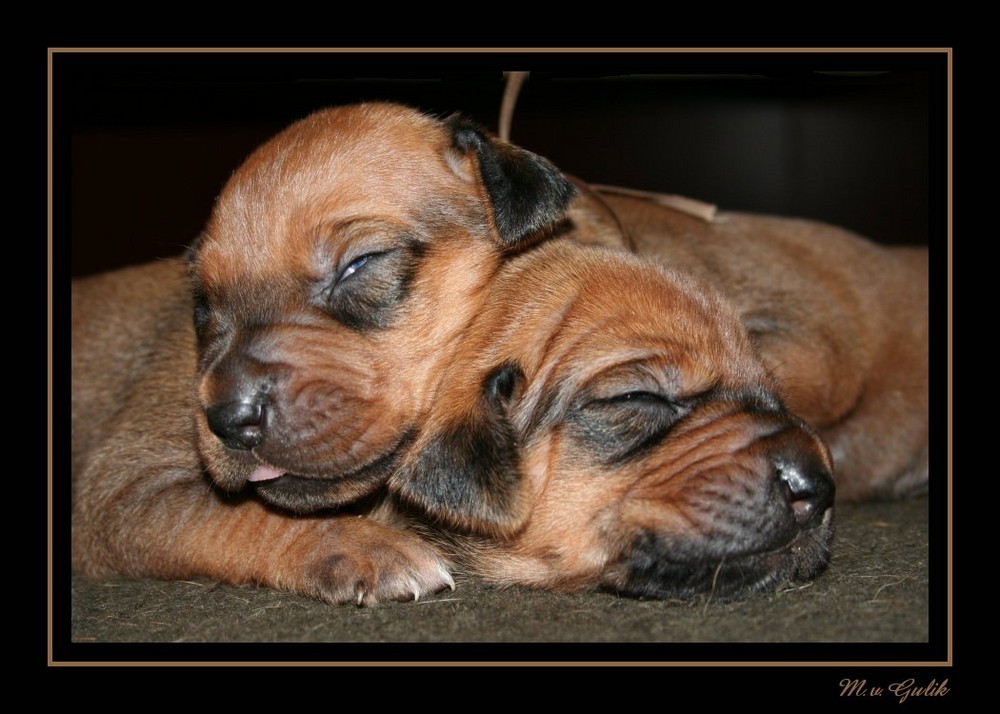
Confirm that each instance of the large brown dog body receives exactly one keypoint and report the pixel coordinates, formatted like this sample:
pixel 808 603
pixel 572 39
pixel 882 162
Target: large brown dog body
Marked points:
pixel 339 267
pixel 566 417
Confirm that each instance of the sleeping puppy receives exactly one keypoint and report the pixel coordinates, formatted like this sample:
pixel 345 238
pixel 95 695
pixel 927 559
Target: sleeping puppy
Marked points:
pixel 662 432
pixel 340 266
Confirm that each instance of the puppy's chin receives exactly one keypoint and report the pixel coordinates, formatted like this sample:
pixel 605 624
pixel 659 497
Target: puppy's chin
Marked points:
pixel 303 490
pixel 651 567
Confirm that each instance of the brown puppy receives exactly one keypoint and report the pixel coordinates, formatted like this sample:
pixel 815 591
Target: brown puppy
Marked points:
pixel 339 267
pixel 609 423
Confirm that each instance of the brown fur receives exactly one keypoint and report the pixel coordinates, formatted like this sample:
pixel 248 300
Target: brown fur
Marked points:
pixel 758 321
pixel 841 322
pixel 307 361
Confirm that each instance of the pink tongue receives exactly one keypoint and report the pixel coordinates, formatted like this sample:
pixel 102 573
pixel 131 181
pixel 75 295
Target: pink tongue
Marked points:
pixel 265 473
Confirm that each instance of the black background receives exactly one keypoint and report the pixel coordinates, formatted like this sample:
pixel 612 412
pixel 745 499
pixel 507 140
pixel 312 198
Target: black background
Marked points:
pixel 144 141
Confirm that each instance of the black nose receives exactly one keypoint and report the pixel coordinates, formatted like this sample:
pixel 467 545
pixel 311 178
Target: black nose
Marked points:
pixel 238 424
pixel 807 484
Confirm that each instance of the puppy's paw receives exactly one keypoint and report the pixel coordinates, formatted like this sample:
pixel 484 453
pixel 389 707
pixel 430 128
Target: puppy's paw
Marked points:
pixel 366 571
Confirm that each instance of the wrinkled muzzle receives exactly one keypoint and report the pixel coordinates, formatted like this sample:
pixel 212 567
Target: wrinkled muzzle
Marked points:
pixel 301 421
pixel 737 502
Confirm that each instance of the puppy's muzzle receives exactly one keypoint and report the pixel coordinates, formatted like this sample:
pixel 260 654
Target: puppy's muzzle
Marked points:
pixel 733 525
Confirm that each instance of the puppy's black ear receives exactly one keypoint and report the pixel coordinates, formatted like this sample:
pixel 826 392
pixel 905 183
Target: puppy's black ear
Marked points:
pixel 527 192
pixel 467 474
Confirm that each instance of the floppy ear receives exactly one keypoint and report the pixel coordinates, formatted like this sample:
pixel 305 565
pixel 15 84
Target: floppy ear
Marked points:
pixel 526 191
pixel 467 472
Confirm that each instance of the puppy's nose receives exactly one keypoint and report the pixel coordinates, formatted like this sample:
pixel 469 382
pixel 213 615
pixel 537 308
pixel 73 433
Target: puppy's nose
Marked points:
pixel 806 483
pixel 238 424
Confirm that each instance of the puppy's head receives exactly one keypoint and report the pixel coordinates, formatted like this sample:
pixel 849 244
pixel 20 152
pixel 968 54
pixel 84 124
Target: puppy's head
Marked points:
pixel 609 424
pixel 339 266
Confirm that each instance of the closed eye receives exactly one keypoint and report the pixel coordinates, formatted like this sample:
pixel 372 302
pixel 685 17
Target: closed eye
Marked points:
pixel 624 426
pixel 355 265
pixel 367 291
pixel 636 398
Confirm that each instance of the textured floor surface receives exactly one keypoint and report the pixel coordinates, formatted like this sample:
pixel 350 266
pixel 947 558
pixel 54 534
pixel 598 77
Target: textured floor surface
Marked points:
pixel 877 590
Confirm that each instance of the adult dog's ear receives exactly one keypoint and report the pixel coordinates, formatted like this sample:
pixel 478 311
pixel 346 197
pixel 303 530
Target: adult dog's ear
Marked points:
pixel 465 471
pixel 526 191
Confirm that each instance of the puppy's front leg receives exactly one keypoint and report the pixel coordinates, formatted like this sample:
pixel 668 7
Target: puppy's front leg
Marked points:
pixel 165 520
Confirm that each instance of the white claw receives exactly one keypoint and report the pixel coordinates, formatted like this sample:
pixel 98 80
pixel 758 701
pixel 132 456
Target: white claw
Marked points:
pixel 361 596
pixel 450 581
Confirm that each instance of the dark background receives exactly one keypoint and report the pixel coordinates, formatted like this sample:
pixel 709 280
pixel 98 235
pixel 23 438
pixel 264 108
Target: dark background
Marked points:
pixel 144 141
